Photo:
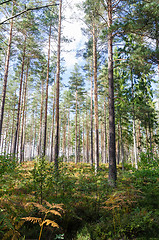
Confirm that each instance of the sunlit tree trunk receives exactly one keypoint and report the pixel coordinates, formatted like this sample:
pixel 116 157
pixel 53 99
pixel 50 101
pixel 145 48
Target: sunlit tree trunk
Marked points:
pixel 6 76
pixel 57 91
pixel 76 146
pixel 112 151
pixel 105 133
pixel 41 117
pixel 19 101
pixel 52 133
pixel 68 138
pixel 46 97
pixel 95 100
pixel 91 120
pixel 23 115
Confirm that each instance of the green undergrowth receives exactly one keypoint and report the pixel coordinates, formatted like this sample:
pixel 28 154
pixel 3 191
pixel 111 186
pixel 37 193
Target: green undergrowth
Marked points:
pixel 92 210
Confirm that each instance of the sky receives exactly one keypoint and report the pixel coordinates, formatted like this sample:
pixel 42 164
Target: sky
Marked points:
pixel 72 30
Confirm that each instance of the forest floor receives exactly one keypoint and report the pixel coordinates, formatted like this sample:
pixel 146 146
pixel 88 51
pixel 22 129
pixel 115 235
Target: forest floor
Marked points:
pixel 76 204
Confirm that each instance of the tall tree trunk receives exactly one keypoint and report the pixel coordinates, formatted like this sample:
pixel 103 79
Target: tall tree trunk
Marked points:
pixel 134 124
pixel 41 117
pixel 112 151
pixel 52 134
pixel 64 142
pixel 79 140
pixel 23 114
pixel 122 145
pixel 57 92
pixel 118 143
pixel 11 144
pixel 83 145
pixel 91 120
pixel 105 133
pixel 20 92
pixel 95 100
pixel 68 138
pixel 6 76
pixel 46 97
pixel 76 146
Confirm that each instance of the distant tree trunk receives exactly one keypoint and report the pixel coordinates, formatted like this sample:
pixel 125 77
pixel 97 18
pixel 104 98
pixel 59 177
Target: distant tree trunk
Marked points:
pixel 20 92
pixel 105 133
pixel 41 117
pixel 122 145
pixel 79 141
pixel 83 145
pixel 102 143
pixel 6 77
pixel 118 143
pixel 57 92
pixel 134 124
pixel 11 144
pixel 95 100
pixel 23 114
pixel 68 138
pixel 76 146
pixel 112 151
pixel 46 97
pixel 91 120
pixel 64 142
pixel 53 119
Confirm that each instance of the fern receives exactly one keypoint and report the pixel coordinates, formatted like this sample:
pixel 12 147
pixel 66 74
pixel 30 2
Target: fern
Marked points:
pixel 44 210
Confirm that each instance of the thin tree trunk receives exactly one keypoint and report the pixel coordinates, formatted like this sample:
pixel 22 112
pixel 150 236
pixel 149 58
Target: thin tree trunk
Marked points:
pixel 68 138
pixel 57 92
pixel 41 116
pixel 112 151
pixel 83 145
pixel 91 120
pixel 20 92
pixel 46 97
pixel 6 76
pixel 122 145
pixel 118 144
pixel 134 125
pixel 11 144
pixel 105 133
pixel 79 141
pixel 95 100
pixel 53 119
pixel 23 114
pixel 76 147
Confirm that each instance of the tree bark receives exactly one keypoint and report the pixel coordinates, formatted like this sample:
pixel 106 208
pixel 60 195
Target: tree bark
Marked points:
pixel 46 97
pixel 76 147
pixel 112 151
pixel 53 119
pixel 41 118
pixel 23 114
pixel 95 100
pixel 6 76
pixel 92 120
pixel 57 92
pixel 20 92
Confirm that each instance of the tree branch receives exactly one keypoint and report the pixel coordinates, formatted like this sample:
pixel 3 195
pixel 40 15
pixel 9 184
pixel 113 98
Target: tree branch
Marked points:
pixel 26 10
pixel 5 2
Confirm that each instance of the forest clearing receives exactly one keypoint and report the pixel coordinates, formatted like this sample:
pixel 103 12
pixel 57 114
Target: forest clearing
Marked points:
pixel 79 129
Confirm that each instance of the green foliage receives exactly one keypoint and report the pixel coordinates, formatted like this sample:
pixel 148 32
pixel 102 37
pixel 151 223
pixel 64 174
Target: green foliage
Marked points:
pixel 93 210
pixel 8 164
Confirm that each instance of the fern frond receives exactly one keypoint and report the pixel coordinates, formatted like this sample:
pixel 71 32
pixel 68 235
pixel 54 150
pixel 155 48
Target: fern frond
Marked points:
pixel 54 212
pixel 53 224
pixel 39 206
pixel 33 220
